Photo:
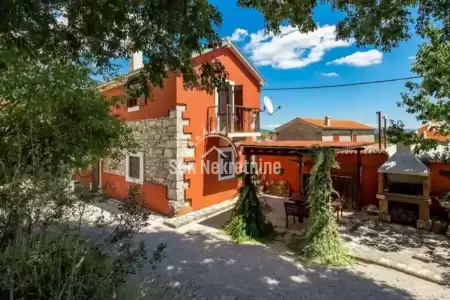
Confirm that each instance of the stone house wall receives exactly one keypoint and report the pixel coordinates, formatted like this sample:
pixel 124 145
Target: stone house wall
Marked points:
pixel 165 147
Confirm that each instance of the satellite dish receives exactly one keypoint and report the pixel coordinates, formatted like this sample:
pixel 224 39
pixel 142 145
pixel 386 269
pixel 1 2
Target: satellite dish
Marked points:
pixel 268 106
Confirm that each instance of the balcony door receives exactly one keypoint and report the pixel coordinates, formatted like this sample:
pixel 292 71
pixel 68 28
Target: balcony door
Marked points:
pixel 231 113
pixel 224 100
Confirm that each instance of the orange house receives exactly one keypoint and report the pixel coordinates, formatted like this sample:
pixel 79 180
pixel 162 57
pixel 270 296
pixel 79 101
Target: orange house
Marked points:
pixel 183 134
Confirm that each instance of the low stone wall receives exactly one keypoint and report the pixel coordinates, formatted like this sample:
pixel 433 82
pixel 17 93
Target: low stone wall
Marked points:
pixel 165 146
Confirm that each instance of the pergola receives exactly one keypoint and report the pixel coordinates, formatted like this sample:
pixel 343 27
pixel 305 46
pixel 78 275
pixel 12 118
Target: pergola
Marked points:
pixel 300 149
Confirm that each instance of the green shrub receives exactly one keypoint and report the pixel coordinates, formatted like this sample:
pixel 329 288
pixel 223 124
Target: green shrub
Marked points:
pixel 322 244
pixel 59 266
pixel 248 220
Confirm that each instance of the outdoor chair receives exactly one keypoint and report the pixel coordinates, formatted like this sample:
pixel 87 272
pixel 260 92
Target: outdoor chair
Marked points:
pixel 296 211
pixel 338 207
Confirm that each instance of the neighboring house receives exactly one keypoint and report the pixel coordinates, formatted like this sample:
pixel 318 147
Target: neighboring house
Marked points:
pixel 429 132
pixel 173 147
pixel 326 129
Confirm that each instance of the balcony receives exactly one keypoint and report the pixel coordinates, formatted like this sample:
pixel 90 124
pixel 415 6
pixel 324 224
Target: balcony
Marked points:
pixel 234 121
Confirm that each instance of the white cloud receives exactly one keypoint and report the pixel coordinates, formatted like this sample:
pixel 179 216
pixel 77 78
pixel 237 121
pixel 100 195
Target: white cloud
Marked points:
pixel 238 35
pixel 271 126
pixel 412 58
pixel 360 59
pixel 331 74
pixel 291 48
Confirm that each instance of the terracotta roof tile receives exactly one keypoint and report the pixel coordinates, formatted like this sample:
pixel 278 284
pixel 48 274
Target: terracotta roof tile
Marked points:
pixel 293 144
pixel 337 124
pixel 369 148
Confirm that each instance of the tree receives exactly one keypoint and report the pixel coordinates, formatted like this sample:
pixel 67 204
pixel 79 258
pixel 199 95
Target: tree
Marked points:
pixel 53 108
pixel 169 31
pixel 94 33
pixel 248 220
pixel 322 244
pixel 429 99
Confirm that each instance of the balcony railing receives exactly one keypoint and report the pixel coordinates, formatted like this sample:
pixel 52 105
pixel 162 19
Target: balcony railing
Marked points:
pixel 233 119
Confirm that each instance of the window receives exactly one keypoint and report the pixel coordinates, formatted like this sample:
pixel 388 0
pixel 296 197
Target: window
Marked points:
pixel 134 167
pixel 133 104
pixel 226 163
pixel 335 137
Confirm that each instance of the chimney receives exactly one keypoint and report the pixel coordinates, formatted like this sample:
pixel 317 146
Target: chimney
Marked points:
pixel 136 61
pixel 327 121
pixel 404 148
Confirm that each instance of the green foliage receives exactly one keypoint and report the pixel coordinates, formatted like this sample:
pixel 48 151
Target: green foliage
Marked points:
pixel 56 266
pixel 322 243
pixel 51 111
pixel 170 31
pixel 248 220
pixel 428 100
pixel 376 23
pixel 94 33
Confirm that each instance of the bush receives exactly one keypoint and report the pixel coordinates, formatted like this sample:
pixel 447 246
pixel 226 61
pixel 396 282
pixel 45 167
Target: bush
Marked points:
pixel 248 220
pixel 58 266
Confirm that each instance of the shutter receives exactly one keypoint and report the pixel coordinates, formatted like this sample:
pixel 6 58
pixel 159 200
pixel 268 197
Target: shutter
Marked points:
pixel 238 95
pixel 142 101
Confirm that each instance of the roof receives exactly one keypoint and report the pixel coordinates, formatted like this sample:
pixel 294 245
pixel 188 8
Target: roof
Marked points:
pixel 337 124
pixel 334 124
pixel 432 133
pixel 119 80
pixel 404 163
pixel 372 149
pixel 305 144
pixel 343 148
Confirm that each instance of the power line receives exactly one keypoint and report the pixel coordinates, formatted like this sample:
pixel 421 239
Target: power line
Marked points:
pixel 340 85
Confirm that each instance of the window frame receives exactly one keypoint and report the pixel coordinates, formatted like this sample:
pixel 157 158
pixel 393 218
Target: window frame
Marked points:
pixel 219 159
pixel 134 107
pixel 128 178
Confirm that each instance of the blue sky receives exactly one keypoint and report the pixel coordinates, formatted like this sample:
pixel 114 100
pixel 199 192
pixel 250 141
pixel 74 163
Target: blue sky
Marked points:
pixel 296 60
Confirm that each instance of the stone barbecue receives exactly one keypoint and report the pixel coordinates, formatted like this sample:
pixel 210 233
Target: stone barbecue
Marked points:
pixel 404 190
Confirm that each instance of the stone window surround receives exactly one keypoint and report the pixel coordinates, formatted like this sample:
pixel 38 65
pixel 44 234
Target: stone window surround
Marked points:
pixel 139 180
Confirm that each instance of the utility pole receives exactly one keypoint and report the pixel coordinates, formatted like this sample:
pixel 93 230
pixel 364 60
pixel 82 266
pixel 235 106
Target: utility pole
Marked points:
pixel 379 129
pixel 385 131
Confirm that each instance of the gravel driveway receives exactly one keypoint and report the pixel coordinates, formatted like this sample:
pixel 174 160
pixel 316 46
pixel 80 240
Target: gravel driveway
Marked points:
pixel 204 260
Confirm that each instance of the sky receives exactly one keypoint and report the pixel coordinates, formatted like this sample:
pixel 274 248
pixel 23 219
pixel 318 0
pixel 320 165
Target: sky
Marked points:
pixel 293 59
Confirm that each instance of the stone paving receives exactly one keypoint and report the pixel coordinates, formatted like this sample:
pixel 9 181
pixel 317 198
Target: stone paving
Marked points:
pixel 421 253
pixel 208 265
pixel 199 215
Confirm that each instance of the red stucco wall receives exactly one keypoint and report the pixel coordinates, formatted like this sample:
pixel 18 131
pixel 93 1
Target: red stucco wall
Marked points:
pixel 154 195
pixel 158 105
pixel 439 184
pixel 369 162
pixel 205 190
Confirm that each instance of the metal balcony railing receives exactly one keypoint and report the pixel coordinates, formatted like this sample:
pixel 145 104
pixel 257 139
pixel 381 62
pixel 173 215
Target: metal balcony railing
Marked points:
pixel 233 119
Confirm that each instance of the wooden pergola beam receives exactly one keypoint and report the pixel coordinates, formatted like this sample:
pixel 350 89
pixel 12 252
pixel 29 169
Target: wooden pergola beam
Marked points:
pixel 299 151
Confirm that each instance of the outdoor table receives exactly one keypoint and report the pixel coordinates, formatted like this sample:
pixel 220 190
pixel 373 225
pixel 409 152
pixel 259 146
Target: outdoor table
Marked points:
pixel 298 198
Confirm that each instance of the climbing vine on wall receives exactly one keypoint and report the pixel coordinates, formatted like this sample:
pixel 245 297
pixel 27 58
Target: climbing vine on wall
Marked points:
pixel 323 244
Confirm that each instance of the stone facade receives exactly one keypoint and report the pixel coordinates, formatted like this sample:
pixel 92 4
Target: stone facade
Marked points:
pixel 165 147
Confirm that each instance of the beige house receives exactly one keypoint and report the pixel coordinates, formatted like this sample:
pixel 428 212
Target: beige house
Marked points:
pixel 326 129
